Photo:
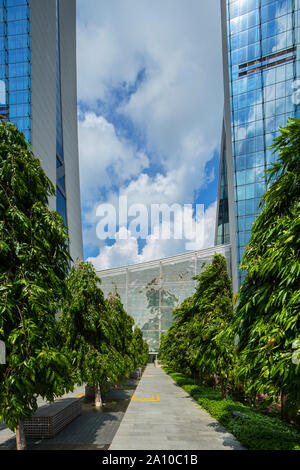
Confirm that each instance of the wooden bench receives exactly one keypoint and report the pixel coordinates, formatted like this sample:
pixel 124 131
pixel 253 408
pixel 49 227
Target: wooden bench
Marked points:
pixel 50 419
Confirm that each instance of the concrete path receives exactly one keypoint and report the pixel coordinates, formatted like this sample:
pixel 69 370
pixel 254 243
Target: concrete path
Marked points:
pixel 162 416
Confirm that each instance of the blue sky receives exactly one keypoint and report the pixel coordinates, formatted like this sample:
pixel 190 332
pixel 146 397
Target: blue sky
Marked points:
pixel 150 104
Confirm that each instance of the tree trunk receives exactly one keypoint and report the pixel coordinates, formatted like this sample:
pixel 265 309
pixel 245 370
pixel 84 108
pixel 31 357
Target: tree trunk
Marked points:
pixel 90 391
pixel 224 388
pixel 98 400
pixel 102 393
pixel 281 405
pixel 20 436
pixel 284 406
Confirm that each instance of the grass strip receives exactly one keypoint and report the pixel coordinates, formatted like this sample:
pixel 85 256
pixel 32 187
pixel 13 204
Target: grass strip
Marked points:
pixel 259 432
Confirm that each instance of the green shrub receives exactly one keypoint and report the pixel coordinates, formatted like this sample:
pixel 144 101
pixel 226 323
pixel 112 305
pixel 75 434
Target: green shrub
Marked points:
pixel 259 432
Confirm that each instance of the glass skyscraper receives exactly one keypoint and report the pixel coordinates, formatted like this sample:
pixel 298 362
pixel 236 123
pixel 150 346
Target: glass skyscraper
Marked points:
pixel 38 94
pixel 261 68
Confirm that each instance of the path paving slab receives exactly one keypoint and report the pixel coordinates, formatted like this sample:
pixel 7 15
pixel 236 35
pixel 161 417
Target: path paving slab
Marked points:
pixel 162 416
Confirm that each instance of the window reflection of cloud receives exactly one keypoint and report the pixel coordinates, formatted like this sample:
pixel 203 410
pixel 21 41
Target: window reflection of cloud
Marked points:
pixel 2 93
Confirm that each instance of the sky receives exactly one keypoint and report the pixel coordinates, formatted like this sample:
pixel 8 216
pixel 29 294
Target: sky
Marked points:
pixel 150 107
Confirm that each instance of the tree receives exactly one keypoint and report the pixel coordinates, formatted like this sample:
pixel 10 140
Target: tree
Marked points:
pixel 196 341
pixel 156 296
pixel 85 327
pixel 174 346
pixel 122 335
pixel 162 347
pixel 140 349
pixel 267 317
pixel 34 262
pixel 98 332
pixel 210 352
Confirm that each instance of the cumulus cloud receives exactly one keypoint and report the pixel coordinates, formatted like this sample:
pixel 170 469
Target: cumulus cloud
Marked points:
pixel 165 58
pixel 179 48
pixel 102 153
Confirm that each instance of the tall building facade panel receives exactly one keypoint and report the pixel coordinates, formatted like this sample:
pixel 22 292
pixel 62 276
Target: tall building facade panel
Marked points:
pixel 43 51
pixel 69 123
pixel 38 93
pixel 261 65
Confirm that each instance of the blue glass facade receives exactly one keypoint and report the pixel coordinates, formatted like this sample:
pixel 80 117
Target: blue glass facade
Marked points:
pixel 223 234
pixel 15 64
pixel 38 94
pixel 262 44
pixel 15 81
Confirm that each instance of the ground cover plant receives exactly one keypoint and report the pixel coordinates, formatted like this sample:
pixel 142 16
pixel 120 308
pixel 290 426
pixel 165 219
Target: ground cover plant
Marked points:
pixel 256 432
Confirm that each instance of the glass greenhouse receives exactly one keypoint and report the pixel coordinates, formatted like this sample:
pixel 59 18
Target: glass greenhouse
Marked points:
pixel 150 291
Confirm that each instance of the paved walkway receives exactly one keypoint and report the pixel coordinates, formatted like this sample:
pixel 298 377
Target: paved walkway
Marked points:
pixel 162 416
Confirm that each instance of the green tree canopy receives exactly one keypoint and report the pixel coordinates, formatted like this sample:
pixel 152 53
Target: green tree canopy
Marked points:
pixel 122 335
pixel 267 317
pixel 175 344
pixel 34 262
pixel 140 348
pixel 210 352
pixel 98 332
pixel 85 326
pixel 195 342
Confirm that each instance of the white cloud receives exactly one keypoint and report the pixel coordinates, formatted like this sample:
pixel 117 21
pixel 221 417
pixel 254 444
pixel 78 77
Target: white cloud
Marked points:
pixel 180 50
pixel 102 150
pixel 123 253
pixel 177 107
